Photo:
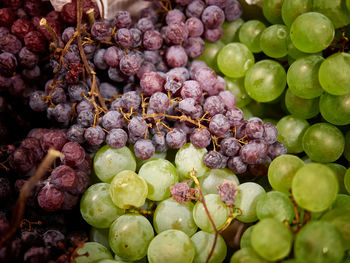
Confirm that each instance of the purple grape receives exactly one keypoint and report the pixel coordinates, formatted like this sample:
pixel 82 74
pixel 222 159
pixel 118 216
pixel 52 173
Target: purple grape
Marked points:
pixel 112 120
pixel 219 125
pixel 85 118
pixel 194 47
pixel 234 116
pixel 33 144
pixel 37 254
pixel 159 102
pixel 94 135
pixel 145 68
pixel 195 66
pixel 82 183
pixel 175 56
pixel 130 64
pixel 252 151
pixel 229 99
pixel 137 127
pixel 53 239
pixel 213 35
pixel 240 129
pixel 70 201
pixel 116 75
pixel 27 58
pixel 17 85
pixel 213 17
pixel 136 36
pixel 152 40
pixel 233 10
pixel 151 82
pixel 195 8
pixel 188 106
pixel 89 50
pixel 213 160
pixel 206 78
pixel 200 138
pixel 101 31
pixel 183 2
pixel 75 133
pixel 116 105
pixel 8 64
pixel 144 149
pixel 152 56
pixel 124 37
pixel 85 105
pixel 175 138
pixel 270 133
pixel 73 154
pixel 31 74
pixel 174 16
pixel 117 138
pixel 76 91
pixel 99 59
pixel 149 13
pixel 112 56
pixel 276 149
pixel 191 89
pixel 10 43
pixel 107 90
pixel 176 33
pixel 58 96
pixel 67 34
pixel 37 102
pixel 145 24
pixel 37 133
pixel 122 19
pixel 213 105
pixel 130 100
pixel 72 55
pixel 219 3
pixel 184 127
pixel 230 146
pixel 255 128
pixel 63 177
pixel 50 198
pixel 236 165
pixel 159 142
pixel 195 27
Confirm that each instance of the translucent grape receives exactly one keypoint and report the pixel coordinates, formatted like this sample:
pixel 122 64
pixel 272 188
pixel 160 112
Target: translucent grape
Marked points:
pixel 214 177
pixel 230 31
pixel 246 237
pixel 236 86
pixel 273 41
pixel 93 252
pixel 247 255
pixel 293 8
pixel 99 236
pixel 210 53
pixel 335 10
pixel 335 109
pixel 250 33
pixel 272 11
pixel 301 108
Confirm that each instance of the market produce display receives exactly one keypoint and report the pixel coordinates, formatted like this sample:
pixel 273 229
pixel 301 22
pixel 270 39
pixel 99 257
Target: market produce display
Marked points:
pixel 188 132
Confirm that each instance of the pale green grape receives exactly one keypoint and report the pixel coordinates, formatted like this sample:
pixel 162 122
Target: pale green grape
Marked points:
pixel 246 200
pixel 301 108
pixel 311 32
pixel 203 242
pixel 334 74
pixel 339 171
pixel 97 208
pixel 230 30
pixel 318 242
pixel 247 255
pixel 276 205
pixel 236 86
pixel 130 235
pixel 213 177
pixel 210 53
pixel 293 8
pixel 347 147
pixel 272 11
pixel 291 131
pixel 128 190
pixel 249 34
pixel 273 41
pixel 302 77
pixel 235 59
pixel 265 80
pixel 335 10
pixel 159 175
pixel 342 201
pixel 315 197
pixel 294 53
pixel 335 109
pixel 156 155
pixel 271 239
pixel 347 180
pixel 170 214
pixel 246 237
pixel 188 158
pixel 109 161
pixel 323 142
pixel 218 211
pixel 171 246
pixel 92 252
pixel 99 236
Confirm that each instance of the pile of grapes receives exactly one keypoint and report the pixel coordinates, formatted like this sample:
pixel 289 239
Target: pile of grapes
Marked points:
pixel 192 131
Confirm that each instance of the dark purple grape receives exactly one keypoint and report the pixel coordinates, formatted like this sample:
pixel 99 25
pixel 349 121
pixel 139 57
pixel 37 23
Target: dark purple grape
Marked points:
pixel 276 149
pixel 230 146
pixel 72 55
pixel 33 144
pixel 233 10
pixel 99 59
pixel 175 56
pixel 145 24
pixel 112 120
pixel 152 40
pixel 7 17
pixel 151 82
pixel 10 43
pixel 213 160
pixel 159 102
pixel 82 183
pixel 37 133
pixel 89 50
pixel 73 154
pixel 149 13
pixel 5 192
pixel 32 74
pixel 130 64
pixel 122 19
pixel 174 16
pixel 50 198
pixel 54 139
pixel 200 138
pixel 94 135
pixel 136 36
pixel 63 177
pixel 116 75
pixel 240 129
pixel 176 33
pixel 255 128
pixel 236 165
pixel 18 86
pixel 67 34
pixel 219 125
pixel 53 239
pixel 21 27
pixel 252 151
pixel 37 254
pixel 159 142
pixel 137 127
pixel 213 17
pixel 31 238
pixel 112 56
pixel 85 105
pixel 70 201
pixel 195 8
pixel 85 118
pixel 234 116
pixel 35 41
pixel 76 91
pixel 173 83
pixel 107 90
pixel 191 89
pixel 131 100
pixel 27 58
pixel 117 138
pixel 37 102
pixel 213 105
pixel 270 133
pixel 175 138
pixel 101 31
pixel 8 64
pixel 213 35
pixel 58 96
pixel 75 133
pixel 195 27
pixel 124 37
pixel 194 47
pixel 184 127
pixel 5 83
pixel 144 149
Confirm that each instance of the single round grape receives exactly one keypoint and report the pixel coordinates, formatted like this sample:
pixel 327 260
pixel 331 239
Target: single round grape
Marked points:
pixel 250 33
pixel 231 30
pixel 347 180
pixel 247 255
pixel 203 242
pixel 246 200
pixel 246 237
pixel 218 211
pixel 311 32
pixel 335 10
pixel 234 60
pixel 335 109
pixel 265 81
pixel 318 242
pixel 236 86
pixel 291 9
pixel 301 108
pixel 323 142
pixel 97 208
pixel 130 235
pixel 92 252
pixel 342 202
pixel 273 41
pixel 170 214
pixel 272 11
pixel 333 74
pixel 171 246
pixel 210 53
pixel 128 190
pixel 315 197
pixel 109 161
pixel 100 236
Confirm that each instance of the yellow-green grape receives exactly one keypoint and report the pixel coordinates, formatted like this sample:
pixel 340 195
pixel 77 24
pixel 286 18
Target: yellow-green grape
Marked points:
pixel 236 86
pixel 210 54
pixel 272 11
pixel 342 202
pixel 339 171
pixel 301 108
pixel 335 109
pixel 335 10
pixel 293 8
pixel 100 236
pixel 230 31
pixel 246 237
pixel 214 177
pixel 273 41
pixel 250 33
pixel 92 252
pixel 246 255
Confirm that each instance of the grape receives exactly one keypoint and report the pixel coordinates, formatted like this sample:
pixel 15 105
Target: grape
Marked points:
pixel 176 33
pixel 314 197
pixel 128 190
pixel 203 242
pixel 347 180
pixel 245 241
pixel 144 149
pixel 219 125
pixel 194 47
pixel 130 235
pixel 247 255
pixel 213 35
pixel 171 214
pixel 236 86
pixel 94 135
pixel 234 60
pixel 265 80
pixel 213 17
pixel 176 56
pixel 311 32
pixel 335 109
pixel 291 9
pixel 92 252
pixel 99 236
pixel 231 30
pixel 64 177
pixel 318 242
pixel 272 11
pixel 233 10
pixel 273 41
pixel 250 33
pixel 108 162
pixel 214 160
pixel 195 8
pixel 195 27
pixel 342 202
pixel 175 138
pixel 171 246
pixel 122 19
pixel 271 239
pixel 101 30
pixel 246 200
pixel 236 165
pixel 336 11
pixel 301 108
pixel 323 142
pixel 200 138
pixel 174 16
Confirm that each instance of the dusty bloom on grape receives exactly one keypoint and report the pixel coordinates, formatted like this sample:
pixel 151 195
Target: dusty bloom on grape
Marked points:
pixel 227 191
pixel 182 193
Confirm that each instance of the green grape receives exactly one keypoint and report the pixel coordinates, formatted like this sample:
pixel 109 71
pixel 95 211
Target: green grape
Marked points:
pixel 97 208
pixel 159 175
pixel 171 246
pixel 302 77
pixel 334 74
pixel 272 11
pixel 130 235
pixel 190 158
pixel 218 211
pixel 318 242
pixel 339 171
pixel 342 202
pixel 293 8
pixel 246 255
pixel 247 114
pixel 276 205
pixel 301 108
pixel 249 34
pixel 273 41
pixel 210 53
pixel 110 261
pixel 347 180
pixel 170 214
pixel 128 190
pixel 99 236
pixel 235 59
pixel 246 237
pixel 92 252
pixel 335 10
pixel 335 109
pixel 236 86
pixel 315 197
pixel 265 81
pixel 156 155
pixel 203 243
pixel 246 200
pixel 213 177
pixel 294 53
pixel 271 239
pixel 347 147
pixel 291 131
pixel 311 32
pixel 230 30
pixel 109 161
pixel 323 142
